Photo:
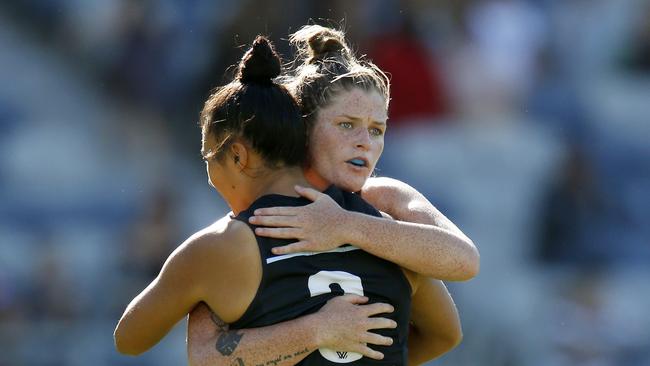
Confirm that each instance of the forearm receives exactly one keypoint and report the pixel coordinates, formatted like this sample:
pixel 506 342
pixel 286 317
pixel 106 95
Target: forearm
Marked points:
pixel 148 318
pixel 426 249
pixel 423 349
pixel 435 325
pixel 283 344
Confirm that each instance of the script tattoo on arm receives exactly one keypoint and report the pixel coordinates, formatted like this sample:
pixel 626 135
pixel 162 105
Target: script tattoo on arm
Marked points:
pixel 228 340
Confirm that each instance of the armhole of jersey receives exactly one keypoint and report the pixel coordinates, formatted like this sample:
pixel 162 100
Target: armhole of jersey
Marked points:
pixel 262 285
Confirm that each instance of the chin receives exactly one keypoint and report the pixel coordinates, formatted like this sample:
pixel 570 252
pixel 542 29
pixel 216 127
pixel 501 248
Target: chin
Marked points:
pixel 351 186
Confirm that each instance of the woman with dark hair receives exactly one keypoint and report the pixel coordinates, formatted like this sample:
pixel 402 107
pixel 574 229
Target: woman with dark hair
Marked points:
pixel 344 103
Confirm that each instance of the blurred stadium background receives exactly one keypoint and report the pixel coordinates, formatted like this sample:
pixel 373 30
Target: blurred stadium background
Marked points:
pixel 526 122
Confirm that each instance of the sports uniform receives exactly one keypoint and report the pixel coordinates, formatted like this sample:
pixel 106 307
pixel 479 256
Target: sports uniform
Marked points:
pixel 297 284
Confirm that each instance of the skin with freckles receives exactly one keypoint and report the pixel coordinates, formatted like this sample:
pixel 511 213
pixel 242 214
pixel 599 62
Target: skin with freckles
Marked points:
pixel 350 130
pixel 354 123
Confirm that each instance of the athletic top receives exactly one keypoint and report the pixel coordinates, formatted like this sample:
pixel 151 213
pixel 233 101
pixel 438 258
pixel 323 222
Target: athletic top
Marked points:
pixel 297 284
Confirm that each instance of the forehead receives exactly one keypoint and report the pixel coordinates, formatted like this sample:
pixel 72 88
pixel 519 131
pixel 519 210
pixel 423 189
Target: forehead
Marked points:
pixel 357 103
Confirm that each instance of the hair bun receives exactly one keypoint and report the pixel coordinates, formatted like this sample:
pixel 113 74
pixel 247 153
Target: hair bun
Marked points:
pixel 322 44
pixel 260 63
pixel 318 42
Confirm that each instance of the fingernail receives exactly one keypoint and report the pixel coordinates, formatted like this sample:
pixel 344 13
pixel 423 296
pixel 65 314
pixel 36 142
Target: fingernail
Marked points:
pixel 256 212
pixel 252 219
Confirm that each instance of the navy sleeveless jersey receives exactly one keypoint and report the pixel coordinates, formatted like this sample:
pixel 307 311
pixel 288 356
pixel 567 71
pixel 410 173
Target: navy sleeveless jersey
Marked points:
pixel 297 284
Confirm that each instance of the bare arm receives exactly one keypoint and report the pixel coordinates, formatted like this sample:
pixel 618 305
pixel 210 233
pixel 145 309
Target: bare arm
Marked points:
pixel 152 313
pixel 202 265
pixel 406 204
pixel 425 241
pixel 211 343
pixel 435 325
pixel 342 324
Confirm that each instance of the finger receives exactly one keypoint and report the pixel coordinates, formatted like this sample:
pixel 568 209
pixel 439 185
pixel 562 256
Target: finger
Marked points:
pixel 279 211
pixel 379 308
pixel 354 299
pixel 278 232
pixel 380 323
pixel 368 352
pixel 301 246
pixel 308 193
pixel 277 221
pixel 374 338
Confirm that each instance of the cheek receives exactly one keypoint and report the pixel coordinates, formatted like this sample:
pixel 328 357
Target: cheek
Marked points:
pixel 324 147
pixel 328 139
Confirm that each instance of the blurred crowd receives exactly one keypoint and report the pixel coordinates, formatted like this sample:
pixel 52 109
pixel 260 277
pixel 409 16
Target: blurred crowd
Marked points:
pixel 526 122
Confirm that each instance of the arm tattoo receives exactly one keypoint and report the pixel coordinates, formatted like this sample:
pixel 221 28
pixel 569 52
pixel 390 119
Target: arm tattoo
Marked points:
pixel 228 342
pixel 238 362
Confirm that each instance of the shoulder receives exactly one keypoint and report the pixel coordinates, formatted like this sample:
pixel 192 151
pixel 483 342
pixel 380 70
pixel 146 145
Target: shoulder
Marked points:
pixel 389 195
pixel 388 185
pixel 213 248
pixel 221 265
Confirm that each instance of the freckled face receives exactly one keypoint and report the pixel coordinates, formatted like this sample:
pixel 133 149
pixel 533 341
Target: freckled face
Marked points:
pixel 347 140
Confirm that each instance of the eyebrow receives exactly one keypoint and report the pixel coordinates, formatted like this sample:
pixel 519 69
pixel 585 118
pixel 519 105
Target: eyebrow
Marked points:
pixel 358 119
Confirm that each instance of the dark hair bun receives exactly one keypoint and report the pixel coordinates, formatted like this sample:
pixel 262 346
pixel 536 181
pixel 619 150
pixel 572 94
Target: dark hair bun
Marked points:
pixel 260 63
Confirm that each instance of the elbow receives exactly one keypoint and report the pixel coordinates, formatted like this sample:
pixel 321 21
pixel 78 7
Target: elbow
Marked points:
pixel 470 264
pixel 448 343
pixel 454 340
pixel 450 339
pixel 474 262
pixel 125 345
pixel 464 264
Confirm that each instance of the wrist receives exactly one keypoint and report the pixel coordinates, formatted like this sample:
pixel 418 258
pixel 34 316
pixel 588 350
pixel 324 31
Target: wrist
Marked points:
pixel 354 228
pixel 312 330
pixel 344 230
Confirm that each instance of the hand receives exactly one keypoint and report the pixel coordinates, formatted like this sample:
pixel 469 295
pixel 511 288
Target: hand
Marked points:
pixel 343 323
pixel 318 226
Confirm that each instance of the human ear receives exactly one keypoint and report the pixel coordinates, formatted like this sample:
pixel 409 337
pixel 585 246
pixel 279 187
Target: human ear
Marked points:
pixel 239 154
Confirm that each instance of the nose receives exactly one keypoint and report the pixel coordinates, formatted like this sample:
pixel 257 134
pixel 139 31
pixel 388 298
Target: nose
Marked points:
pixel 363 139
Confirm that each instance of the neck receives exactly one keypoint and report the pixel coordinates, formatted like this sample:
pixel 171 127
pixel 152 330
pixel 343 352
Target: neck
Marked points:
pixel 280 181
pixel 315 179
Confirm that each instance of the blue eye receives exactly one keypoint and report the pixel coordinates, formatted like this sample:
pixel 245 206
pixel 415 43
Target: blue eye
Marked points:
pixel 376 131
pixel 346 125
